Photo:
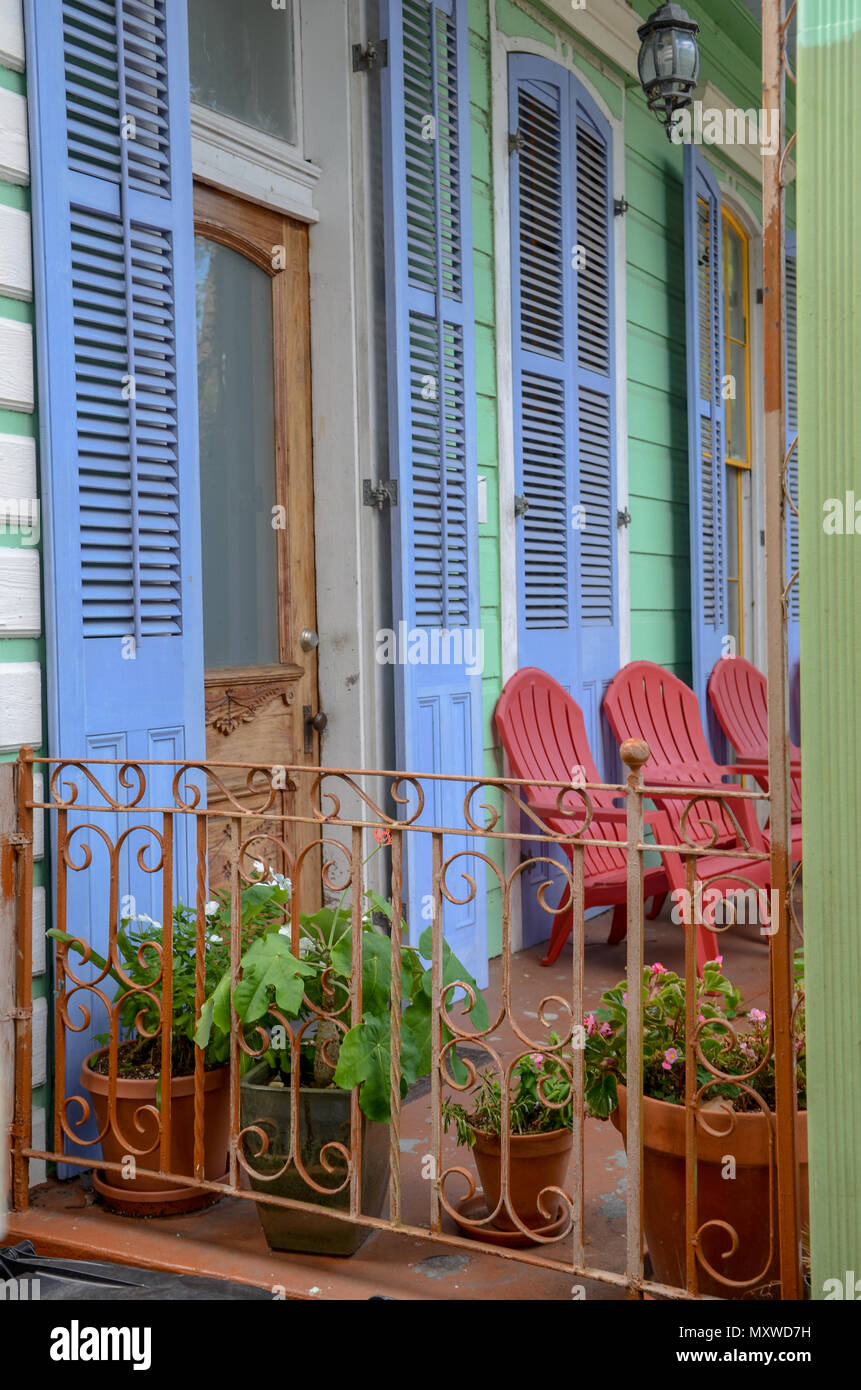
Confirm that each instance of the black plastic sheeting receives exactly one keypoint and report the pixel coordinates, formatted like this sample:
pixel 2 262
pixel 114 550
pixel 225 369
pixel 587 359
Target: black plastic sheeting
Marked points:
pixel 87 1281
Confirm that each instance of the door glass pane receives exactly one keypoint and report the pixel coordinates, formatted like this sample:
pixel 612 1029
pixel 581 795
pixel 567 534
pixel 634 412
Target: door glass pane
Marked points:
pixel 241 61
pixel 237 458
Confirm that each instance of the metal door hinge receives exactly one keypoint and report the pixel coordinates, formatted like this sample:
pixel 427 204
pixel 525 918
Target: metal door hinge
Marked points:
pixel 17 1015
pixel 516 142
pixel 623 518
pixel 378 494
pixel 620 207
pixel 375 55
pixel 18 841
pixel 760 295
pixel 521 506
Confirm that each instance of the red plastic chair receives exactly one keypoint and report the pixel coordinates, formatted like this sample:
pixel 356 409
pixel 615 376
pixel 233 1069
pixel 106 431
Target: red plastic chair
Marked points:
pixel 544 738
pixel 739 696
pixel 645 701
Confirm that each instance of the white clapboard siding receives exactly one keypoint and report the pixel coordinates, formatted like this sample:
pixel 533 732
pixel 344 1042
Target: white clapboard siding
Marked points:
pixel 40 925
pixel 14 150
pixel 12 34
pixel 16 261
pixel 40 1041
pixel 20 705
pixel 18 470
pixel 20 608
pixel 16 365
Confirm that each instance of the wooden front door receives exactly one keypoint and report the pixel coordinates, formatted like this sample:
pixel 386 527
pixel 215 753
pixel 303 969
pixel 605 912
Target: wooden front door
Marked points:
pixel 257 511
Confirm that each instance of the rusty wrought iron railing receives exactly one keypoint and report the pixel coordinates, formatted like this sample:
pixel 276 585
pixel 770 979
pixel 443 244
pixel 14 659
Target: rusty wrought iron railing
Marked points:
pixel 109 830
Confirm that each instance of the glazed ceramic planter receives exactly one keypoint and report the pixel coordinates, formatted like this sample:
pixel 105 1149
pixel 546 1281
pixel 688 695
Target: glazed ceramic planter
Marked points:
pixel 148 1196
pixel 324 1118
pixel 537 1161
pixel 741 1202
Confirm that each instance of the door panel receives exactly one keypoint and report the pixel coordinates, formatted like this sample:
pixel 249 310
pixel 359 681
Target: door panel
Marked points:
pixel 256 504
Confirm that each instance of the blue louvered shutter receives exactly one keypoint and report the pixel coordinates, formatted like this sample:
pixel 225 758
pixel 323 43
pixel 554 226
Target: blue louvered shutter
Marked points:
pixel 431 372
pixel 564 403
pixel 564 383
pixel 706 424
pixel 793 625
pixel 113 235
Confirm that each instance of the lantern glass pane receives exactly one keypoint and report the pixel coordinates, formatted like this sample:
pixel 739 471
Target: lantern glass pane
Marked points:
pixel 687 56
pixel 665 53
pixel 646 61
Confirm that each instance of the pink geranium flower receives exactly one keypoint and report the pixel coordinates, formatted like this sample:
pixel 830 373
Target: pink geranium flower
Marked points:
pixel 671 1055
pixel 658 969
pixel 605 1030
pixel 590 1024
pixel 757 1016
pixel 537 1058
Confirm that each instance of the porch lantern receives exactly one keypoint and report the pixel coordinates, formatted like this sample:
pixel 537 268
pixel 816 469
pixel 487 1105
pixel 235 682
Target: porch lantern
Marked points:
pixel 668 61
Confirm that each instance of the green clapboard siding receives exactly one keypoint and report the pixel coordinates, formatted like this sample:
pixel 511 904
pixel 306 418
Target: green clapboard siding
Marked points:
pixel 829 423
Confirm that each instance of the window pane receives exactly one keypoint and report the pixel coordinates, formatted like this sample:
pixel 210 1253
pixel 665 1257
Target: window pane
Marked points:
pixel 237 458
pixel 737 408
pixel 241 60
pixel 736 288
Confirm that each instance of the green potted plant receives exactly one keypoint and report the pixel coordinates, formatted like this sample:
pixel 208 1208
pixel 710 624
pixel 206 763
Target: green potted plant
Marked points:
pixel 540 1137
pixel 734 1123
pixel 137 1049
pixel 295 1015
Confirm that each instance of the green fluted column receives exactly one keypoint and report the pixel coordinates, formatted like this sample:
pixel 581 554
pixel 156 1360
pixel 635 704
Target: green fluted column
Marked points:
pixel 829 413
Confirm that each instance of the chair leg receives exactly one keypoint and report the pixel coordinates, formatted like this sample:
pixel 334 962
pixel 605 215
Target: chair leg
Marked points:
pixel 619 924
pixel 560 934
pixel 657 903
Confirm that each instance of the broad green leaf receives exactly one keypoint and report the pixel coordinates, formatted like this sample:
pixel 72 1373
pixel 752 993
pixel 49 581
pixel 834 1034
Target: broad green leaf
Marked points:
pixel 221 1005
pixel 365 1060
pixel 269 965
pixel 417 1021
pixel 204 1023
pixel 258 897
pixel 376 970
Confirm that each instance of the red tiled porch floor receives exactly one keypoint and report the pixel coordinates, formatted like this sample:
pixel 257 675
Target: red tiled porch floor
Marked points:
pixel 226 1241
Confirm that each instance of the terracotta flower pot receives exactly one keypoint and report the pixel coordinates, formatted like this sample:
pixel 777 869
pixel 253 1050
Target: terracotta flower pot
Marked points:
pixel 148 1196
pixel 537 1161
pixel 741 1202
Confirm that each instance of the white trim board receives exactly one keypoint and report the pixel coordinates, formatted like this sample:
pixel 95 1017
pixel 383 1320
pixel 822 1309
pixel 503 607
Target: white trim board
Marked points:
pixel 239 159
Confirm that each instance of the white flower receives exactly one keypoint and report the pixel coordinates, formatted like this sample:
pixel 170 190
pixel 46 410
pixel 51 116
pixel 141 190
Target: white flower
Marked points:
pixel 214 940
pixel 258 866
pixel 281 881
pixel 211 909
